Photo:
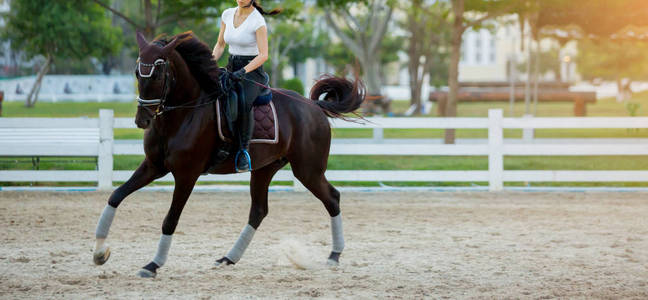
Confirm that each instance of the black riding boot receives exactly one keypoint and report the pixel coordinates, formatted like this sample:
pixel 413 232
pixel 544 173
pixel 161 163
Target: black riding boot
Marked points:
pixel 243 160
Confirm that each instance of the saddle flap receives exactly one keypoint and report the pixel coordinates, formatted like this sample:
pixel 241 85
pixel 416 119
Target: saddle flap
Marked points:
pixel 266 125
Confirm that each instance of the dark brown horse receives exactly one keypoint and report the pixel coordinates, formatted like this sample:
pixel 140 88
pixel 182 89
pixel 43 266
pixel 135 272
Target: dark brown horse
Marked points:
pixel 178 80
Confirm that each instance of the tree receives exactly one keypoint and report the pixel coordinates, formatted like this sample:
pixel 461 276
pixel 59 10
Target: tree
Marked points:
pixel 292 38
pixel 155 14
pixel 548 61
pixel 362 33
pixel 621 61
pixel 484 11
pixel 58 30
pixel 610 35
pixel 428 28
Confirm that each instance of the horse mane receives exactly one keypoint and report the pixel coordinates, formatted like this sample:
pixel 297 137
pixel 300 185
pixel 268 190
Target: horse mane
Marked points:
pixel 198 57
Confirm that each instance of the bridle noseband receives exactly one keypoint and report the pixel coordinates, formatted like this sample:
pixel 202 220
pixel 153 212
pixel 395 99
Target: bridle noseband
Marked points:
pixel 160 101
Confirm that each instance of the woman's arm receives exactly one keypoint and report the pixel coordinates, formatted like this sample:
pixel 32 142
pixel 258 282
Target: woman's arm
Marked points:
pixel 220 45
pixel 262 43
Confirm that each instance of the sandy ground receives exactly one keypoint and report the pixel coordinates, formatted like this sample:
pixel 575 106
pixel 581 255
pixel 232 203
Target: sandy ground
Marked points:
pixel 398 245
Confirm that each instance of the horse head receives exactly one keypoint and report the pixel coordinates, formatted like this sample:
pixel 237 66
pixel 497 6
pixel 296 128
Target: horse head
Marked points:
pixel 156 77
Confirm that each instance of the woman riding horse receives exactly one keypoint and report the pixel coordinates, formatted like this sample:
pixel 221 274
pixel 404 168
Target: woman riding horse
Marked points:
pixel 179 83
pixel 243 28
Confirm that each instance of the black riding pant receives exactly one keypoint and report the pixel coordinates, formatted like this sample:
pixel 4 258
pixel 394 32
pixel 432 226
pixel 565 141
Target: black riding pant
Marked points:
pixel 251 90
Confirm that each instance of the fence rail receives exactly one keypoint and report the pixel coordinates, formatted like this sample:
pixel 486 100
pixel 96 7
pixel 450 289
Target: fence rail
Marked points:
pixel 494 148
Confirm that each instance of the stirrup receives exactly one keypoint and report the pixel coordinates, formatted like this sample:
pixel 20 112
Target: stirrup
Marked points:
pixel 249 161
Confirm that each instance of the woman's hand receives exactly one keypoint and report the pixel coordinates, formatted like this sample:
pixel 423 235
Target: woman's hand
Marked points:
pixel 238 75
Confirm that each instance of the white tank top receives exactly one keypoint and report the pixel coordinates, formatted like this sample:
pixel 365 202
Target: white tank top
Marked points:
pixel 242 39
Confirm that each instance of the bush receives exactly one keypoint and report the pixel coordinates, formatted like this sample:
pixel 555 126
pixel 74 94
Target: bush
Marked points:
pixel 293 84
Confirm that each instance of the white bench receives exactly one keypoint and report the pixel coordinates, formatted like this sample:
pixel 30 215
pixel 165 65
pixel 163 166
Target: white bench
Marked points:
pixel 38 137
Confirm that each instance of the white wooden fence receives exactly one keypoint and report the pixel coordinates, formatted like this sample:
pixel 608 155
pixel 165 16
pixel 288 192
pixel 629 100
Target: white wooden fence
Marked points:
pixel 60 137
pixel 495 148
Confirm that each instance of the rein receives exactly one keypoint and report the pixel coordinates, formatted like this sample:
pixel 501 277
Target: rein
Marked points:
pixel 311 102
pixel 208 96
pixel 161 108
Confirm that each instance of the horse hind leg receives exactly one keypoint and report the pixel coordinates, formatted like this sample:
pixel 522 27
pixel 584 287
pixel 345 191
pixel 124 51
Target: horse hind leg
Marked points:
pixel 259 183
pixel 316 183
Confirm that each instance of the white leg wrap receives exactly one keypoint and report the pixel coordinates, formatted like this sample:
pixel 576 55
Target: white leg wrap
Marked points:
pixel 163 250
pixel 241 244
pixel 336 230
pixel 105 221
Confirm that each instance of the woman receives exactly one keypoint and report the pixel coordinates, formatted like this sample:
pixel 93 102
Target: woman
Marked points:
pixel 243 28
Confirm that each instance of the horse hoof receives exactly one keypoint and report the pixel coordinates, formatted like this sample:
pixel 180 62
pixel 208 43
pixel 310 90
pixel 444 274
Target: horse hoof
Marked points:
pixel 334 259
pixel 224 261
pixel 101 256
pixel 144 273
pixel 332 263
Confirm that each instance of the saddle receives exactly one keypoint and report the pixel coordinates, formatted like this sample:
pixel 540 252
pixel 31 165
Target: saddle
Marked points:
pixel 266 127
pixel 234 99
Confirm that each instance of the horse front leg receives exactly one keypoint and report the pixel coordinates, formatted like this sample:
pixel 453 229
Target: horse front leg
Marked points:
pixel 183 187
pixel 259 183
pixel 144 175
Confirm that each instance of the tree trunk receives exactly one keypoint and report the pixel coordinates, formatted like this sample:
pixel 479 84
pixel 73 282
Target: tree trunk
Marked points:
pixel 453 70
pixel 33 94
pixel 624 92
pixel 415 81
pixel 365 45
pixel 371 66
pixel 149 30
pixel 274 62
pixel 536 76
pixel 527 84
pixel 415 52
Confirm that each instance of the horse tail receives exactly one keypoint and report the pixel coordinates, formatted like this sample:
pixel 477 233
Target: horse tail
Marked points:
pixel 340 95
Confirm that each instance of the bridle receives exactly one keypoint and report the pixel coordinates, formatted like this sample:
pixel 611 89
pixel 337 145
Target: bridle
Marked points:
pixel 160 106
pixel 159 103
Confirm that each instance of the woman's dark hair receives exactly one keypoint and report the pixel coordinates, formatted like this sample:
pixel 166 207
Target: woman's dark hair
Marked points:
pixel 263 12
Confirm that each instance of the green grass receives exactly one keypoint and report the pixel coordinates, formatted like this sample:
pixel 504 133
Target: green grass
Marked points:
pixel 67 109
pixel 604 107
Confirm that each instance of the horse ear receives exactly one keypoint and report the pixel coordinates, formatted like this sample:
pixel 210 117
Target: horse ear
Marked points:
pixel 170 46
pixel 141 40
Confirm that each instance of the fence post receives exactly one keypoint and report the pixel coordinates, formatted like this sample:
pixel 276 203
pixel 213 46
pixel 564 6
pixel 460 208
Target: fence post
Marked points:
pixel 527 133
pixel 495 151
pixel 378 133
pixel 106 138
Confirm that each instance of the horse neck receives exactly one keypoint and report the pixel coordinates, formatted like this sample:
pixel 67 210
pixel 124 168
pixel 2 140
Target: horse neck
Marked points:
pixel 185 90
pixel 186 87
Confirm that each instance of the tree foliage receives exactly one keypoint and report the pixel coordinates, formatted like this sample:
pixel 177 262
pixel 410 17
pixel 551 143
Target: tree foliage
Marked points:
pixel 427 26
pixel 59 30
pixel 152 15
pixel 595 18
pixel 62 28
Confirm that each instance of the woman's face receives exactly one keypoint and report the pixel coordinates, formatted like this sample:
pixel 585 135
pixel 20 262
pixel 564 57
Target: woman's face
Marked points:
pixel 243 3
